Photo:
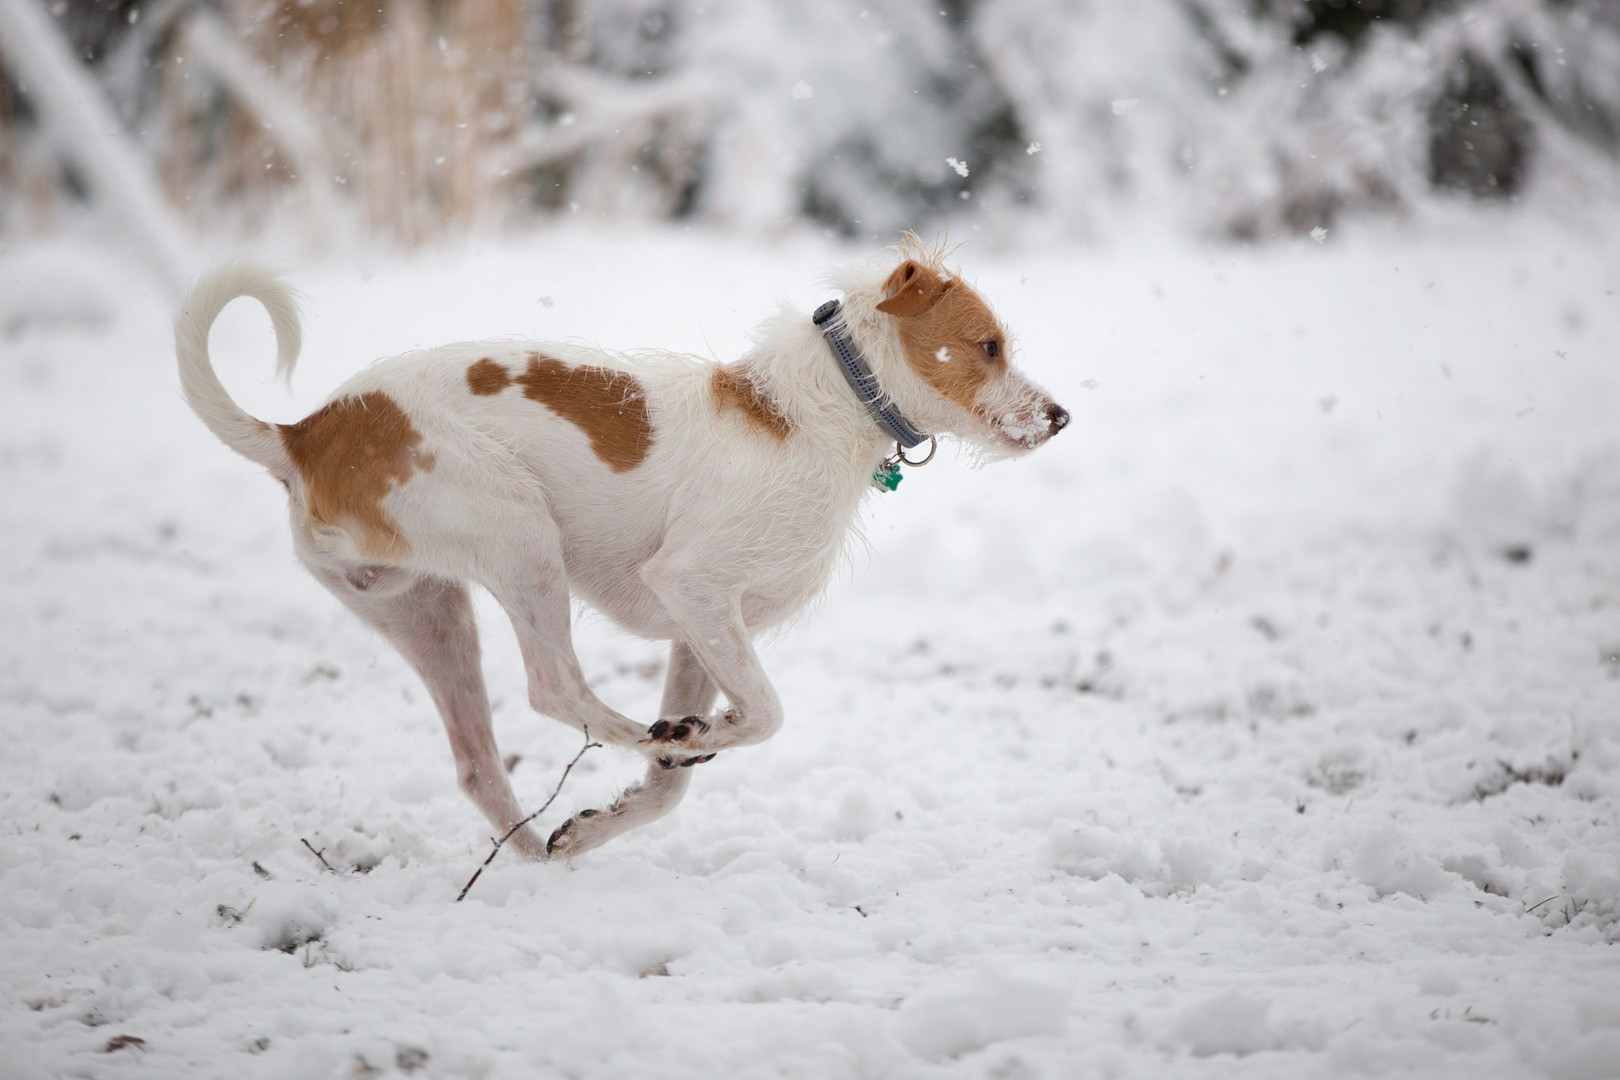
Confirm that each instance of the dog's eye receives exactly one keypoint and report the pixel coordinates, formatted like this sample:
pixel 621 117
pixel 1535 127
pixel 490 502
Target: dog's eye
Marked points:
pixel 991 349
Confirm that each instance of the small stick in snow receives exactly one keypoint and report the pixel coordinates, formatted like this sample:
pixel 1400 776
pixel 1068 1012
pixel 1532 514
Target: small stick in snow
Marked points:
pixel 546 806
pixel 315 853
pixel 1533 907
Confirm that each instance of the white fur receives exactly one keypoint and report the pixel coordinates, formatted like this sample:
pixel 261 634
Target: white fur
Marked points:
pixel 722 531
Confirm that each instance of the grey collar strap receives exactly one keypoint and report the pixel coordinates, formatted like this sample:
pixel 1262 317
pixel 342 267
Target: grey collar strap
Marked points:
pixel 860 378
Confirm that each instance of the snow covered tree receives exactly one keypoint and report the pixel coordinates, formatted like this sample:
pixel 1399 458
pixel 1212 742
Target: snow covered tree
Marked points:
pixel 1233 118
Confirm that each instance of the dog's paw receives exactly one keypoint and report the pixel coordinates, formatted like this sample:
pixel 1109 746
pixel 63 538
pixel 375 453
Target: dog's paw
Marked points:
pixel 557 844
pixel 562 841
pixel 676 731
pixel 586 830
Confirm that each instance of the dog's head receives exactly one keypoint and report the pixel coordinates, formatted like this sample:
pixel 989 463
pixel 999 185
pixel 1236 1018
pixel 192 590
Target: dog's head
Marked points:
pixel 956 349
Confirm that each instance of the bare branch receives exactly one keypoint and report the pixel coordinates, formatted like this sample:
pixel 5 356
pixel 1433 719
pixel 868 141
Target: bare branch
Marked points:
pixel 546 806
pixel 315 853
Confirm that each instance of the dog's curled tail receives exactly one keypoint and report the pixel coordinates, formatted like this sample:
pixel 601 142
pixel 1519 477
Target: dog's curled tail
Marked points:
pixel 252 438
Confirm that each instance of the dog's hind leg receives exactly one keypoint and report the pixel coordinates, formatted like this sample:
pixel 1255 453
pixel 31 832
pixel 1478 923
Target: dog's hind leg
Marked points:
pixel 430 621
pixel 688 691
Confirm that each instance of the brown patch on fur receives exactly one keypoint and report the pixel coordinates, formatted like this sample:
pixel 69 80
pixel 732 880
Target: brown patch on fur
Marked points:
pixel 350 453
pixel 609 406
pixel 486 377
pixel 937 312
pixel 732 388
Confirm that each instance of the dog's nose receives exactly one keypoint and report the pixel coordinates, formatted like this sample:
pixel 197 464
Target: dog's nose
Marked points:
pixel 1057 417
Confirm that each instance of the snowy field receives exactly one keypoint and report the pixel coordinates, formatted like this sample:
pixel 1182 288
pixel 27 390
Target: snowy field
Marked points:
pixel 1264 724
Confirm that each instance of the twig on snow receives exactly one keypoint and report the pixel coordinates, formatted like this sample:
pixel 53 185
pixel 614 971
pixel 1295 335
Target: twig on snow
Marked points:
pixel 544 807
pixel 317 854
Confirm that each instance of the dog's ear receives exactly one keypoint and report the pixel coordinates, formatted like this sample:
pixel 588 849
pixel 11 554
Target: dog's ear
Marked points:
pixel 912 290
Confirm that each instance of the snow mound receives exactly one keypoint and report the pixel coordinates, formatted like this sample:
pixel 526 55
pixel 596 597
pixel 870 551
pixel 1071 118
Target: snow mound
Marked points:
pixel 965 1013
pixel 1389 862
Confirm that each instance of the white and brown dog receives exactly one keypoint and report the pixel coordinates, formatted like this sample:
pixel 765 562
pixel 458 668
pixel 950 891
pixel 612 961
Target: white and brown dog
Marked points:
pixel 692 502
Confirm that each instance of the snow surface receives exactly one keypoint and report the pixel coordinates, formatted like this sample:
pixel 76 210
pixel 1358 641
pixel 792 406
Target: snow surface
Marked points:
pixel 1265 724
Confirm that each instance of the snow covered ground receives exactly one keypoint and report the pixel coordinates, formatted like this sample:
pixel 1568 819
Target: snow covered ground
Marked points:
pixel 1265 724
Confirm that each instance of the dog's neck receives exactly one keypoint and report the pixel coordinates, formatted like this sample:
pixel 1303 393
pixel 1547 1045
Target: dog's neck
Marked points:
pixel 852 365
pixel 793 365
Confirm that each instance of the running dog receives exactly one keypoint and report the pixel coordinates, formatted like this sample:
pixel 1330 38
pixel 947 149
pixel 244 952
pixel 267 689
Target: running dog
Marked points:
pixel 693 502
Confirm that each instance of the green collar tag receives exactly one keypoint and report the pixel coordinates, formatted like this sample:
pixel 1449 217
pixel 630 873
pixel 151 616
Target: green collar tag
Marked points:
pixel 887 476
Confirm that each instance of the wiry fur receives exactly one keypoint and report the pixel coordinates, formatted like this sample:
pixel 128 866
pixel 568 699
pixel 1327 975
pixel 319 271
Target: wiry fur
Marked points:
pixel 251 438
pixel 721 530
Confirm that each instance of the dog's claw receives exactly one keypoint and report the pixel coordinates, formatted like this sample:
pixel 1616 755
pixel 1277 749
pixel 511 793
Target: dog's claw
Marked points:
pixel 562 830
pixel 676 730
pixel 667 762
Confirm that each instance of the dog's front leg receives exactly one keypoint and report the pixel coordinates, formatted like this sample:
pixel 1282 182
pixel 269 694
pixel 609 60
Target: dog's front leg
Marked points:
pixel 534 592
pixel 709 614
pixel 688 691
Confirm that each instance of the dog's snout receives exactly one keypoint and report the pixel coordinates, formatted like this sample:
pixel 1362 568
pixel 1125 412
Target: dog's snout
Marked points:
pixel 1057 417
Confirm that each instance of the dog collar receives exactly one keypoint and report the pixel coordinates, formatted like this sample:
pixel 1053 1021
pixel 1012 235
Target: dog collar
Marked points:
pixel 861 380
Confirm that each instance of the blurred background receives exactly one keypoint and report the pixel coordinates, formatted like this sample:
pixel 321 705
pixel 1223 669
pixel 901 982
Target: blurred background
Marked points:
pixel 414 121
